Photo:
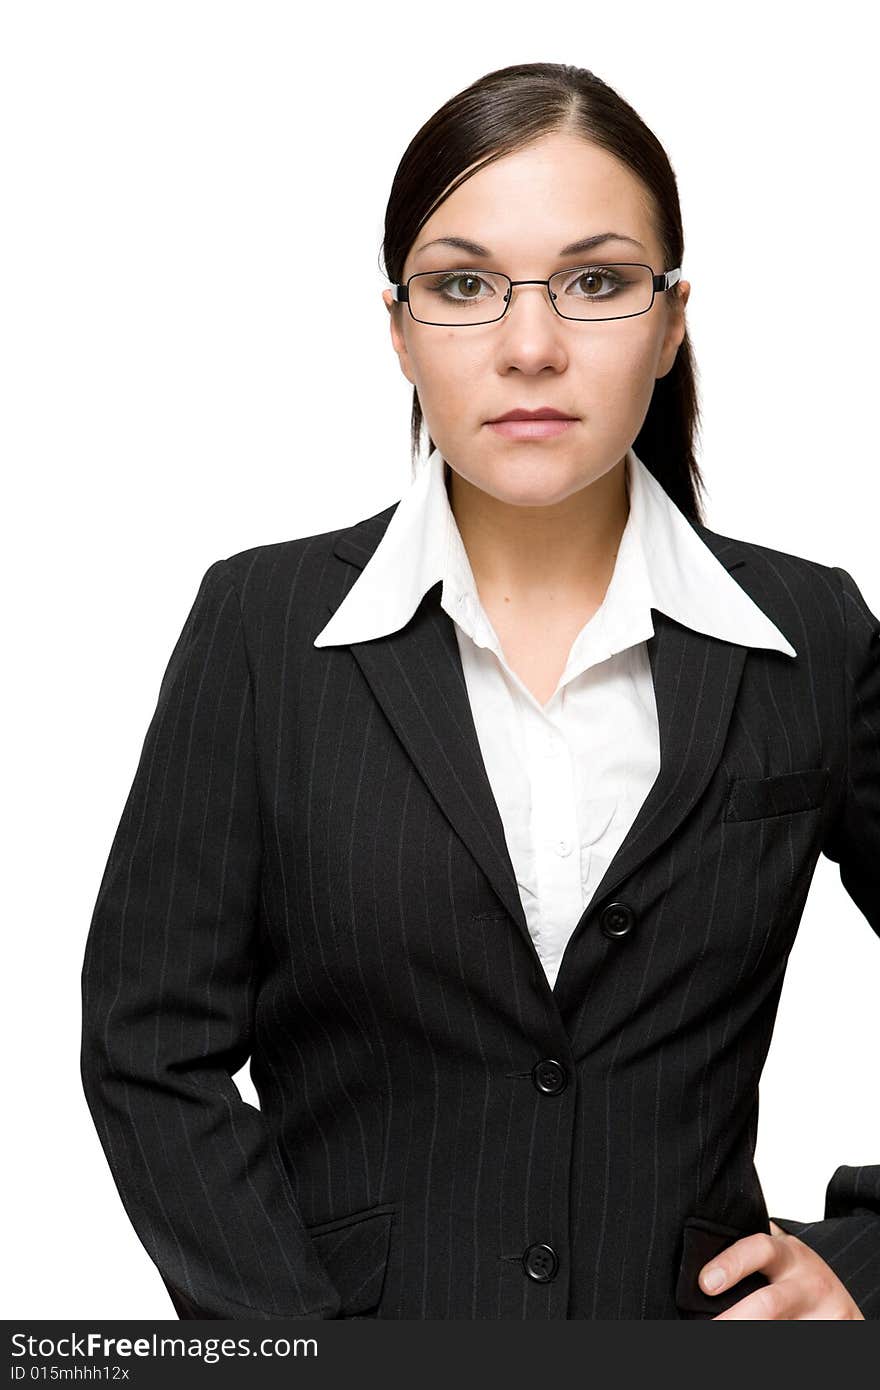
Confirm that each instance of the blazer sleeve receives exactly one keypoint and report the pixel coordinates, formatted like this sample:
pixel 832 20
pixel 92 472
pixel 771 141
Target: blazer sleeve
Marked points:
pixel 848 1239
pixel 169 982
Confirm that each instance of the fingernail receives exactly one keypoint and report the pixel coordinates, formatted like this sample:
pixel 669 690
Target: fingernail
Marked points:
pixel 713 1278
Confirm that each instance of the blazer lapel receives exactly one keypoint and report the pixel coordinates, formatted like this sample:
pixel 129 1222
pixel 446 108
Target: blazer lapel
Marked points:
pixel 696 679
pixel 417 678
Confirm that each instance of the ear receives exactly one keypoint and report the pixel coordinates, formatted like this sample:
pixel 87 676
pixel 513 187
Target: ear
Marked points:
pixel 675 329
pixel 398 341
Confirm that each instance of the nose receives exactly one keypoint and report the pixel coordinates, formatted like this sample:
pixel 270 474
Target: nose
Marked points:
pixel 537 286
pixel 535 337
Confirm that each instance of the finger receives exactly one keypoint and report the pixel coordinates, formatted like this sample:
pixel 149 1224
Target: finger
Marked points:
pixel 772 1302
pixel 744 1256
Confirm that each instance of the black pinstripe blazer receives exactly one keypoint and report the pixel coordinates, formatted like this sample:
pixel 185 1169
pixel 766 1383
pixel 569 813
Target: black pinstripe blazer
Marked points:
pixel 310 870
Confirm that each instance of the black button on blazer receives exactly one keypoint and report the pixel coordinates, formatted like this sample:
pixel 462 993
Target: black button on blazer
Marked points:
pixel 310 871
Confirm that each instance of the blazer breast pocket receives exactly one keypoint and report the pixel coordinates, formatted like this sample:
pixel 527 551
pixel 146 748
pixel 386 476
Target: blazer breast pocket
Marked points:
pixel 752 798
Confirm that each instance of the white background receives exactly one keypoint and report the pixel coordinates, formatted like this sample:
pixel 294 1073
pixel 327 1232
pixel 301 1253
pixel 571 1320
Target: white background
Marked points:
pixel 178 180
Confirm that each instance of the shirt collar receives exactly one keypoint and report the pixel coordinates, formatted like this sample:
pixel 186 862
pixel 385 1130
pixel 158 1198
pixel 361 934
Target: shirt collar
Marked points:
pixel 661 562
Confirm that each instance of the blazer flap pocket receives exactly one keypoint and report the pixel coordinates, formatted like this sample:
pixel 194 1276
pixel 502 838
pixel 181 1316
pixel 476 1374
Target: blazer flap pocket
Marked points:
pixel 750 798
pixel 703 1239
pixel 354 1251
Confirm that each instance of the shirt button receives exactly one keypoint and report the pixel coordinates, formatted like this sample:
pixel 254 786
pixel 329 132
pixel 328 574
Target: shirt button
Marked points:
pixel 563 847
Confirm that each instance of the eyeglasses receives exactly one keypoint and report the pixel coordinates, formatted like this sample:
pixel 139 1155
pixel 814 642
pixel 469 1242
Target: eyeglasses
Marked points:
pixel 466 298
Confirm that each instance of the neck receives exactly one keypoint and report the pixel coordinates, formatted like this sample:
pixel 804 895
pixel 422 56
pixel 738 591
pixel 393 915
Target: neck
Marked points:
pixel 529 554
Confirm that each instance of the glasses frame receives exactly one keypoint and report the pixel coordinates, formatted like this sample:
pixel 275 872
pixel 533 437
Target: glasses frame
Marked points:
pixel 664 281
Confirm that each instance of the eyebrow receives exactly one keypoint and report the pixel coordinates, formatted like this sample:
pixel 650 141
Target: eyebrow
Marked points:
pixel 574 248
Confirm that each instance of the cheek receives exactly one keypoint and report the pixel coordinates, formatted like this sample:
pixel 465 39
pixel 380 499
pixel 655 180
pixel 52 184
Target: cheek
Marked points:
pixel 620 377
pixel 445 375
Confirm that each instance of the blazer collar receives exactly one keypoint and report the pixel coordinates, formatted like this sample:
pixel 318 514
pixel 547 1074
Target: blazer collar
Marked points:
pixel 415 673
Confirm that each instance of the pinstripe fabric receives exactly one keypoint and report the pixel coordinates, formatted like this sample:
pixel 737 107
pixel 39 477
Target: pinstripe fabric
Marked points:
pixel 569 775
pixel 310 869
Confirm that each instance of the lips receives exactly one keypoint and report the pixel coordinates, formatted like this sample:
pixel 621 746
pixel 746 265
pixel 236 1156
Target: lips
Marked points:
pixel 545 412
pixel 532 429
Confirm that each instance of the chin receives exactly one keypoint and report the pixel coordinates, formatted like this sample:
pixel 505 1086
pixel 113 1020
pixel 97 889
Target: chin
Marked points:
pixel 534 491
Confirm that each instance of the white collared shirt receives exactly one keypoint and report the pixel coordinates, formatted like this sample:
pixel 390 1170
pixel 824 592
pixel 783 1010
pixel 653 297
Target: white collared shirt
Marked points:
pixel 568 777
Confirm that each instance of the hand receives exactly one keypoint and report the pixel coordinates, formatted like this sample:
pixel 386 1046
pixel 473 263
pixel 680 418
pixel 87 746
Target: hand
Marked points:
pixel 801 1284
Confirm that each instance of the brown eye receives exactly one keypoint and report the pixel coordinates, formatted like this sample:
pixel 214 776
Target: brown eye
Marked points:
pixel 590 281
pixel 472 281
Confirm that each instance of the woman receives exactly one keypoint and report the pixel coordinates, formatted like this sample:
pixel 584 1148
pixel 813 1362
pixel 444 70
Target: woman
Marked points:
pixel 484 826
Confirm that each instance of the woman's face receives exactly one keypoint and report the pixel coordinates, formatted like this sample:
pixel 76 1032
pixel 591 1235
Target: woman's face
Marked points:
pixel 523 208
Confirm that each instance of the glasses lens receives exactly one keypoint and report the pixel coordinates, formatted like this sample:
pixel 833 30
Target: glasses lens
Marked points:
pixel 602 291
pixel 457 296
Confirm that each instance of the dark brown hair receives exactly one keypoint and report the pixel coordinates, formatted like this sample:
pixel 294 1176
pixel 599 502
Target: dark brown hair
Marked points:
pixel 504 111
